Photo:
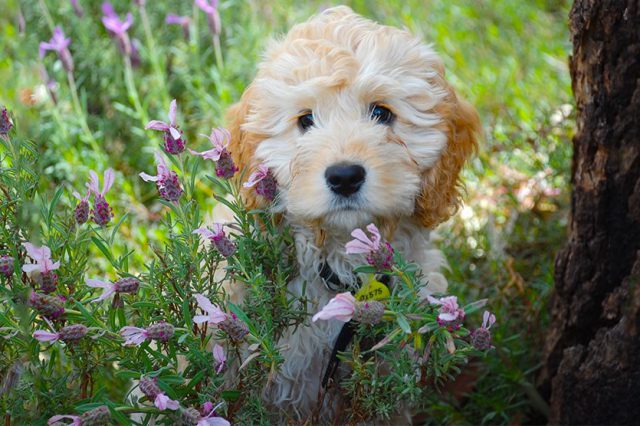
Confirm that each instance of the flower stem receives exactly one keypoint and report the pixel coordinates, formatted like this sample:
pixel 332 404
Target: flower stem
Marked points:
pixel 151 47
pixel 132 91
pixel 218 50
pixel 81 114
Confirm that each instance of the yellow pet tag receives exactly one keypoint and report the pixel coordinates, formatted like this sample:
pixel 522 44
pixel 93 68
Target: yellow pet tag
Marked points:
pixel 373 290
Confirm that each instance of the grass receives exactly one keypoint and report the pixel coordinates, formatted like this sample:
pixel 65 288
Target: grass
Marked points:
pixel 507 57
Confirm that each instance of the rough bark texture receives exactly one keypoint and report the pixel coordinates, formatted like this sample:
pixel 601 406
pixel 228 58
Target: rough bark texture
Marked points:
pixel 591 364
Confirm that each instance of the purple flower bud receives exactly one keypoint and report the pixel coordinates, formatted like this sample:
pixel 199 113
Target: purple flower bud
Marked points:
pixel 225 246
pixel 225 167
pixel 81 212
pixel 369 312
pixel 127 285
pixel 99 416
pixel 73 332
pixel 189 416
pixel 267 187
pixel 48 306
pixel 48 281
pixel 6 265
pixel 166 180
pixel 162 331
pixel 235 328
pixel 149 388
pixel 5 123
pixel 481 337
pixel 172 145
pixel 381 259
pixel 101 213
pixel 169 187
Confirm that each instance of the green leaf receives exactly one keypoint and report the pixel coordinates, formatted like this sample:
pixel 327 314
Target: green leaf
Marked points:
pixel 104 249
pixel 403 323
pixel 231 395
pixel 89 317
pixel 365 269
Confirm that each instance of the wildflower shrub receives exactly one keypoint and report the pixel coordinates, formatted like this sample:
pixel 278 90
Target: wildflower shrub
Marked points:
pixel 174 330
pixel 105 76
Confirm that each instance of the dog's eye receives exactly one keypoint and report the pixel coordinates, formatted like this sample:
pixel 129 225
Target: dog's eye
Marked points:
pixel 381 114
pixel 305 121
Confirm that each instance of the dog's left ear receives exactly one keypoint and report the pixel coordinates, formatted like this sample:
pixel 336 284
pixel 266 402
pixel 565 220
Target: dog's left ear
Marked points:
pixel 440 196
pixel 243 144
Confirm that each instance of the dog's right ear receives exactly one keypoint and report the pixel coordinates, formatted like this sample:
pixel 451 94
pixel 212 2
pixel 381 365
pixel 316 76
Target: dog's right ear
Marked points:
pixel 243 145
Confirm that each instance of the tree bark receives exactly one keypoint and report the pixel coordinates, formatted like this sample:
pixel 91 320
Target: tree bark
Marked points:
pixel 591 360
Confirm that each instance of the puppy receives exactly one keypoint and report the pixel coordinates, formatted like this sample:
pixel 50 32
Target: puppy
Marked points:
pixel 358 125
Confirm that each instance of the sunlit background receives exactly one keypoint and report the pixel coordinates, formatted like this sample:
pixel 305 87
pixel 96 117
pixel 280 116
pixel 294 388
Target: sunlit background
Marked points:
pixel 509 58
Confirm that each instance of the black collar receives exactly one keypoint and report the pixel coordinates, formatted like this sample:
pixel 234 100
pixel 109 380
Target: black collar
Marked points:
pixel 331 279
pixel 333 283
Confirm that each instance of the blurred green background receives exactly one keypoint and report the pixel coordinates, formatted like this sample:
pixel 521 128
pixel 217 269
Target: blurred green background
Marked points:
pixel 509 58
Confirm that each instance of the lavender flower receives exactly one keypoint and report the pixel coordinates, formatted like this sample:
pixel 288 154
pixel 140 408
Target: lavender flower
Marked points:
pixel 235 328
pixel 183 21
pixel 205 417
pixel 99 416
pixel 161 331
pixel 150 389
pixel 450 314
pixel 123 285
pixel 48 306
pixel 379 254
pixel 166 180
pixel 59 44
pixel 101 213
pixel 369 312
pixel 264 181
pixel 6 265
pixel 214 316
pixel 230 324
pixel 117 28
pixel 42 270
pixel 481 337
pixel 225 246
pixel 219 138
pixel 210 7
pixel 68 334
pixel 81 212
pixel 173 141
pixel 5 123
pixel 77 9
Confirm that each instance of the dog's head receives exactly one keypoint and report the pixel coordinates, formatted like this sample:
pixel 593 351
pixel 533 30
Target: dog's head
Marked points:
pixel 357 123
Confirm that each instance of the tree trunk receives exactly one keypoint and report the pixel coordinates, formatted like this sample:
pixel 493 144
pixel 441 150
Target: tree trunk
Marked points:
pixel 591 361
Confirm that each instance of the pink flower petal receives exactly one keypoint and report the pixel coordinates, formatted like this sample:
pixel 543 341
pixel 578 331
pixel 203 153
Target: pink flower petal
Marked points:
pixel 77 421
pixel 257 176
pixel 109 177
pixel 163 402
pixel 157 125
pixel 219 356
pixel 174 133
pixel 94 182
pixel 173 108
pixel 45 336
pixel 133 335
pixel 213 421
pixel 340 307
pixel 148 178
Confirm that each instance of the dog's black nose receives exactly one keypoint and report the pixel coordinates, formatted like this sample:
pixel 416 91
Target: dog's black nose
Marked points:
pixel 345 179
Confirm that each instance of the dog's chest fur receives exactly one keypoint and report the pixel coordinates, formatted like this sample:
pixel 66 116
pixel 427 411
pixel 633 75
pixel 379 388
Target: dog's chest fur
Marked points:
pixel 307 348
